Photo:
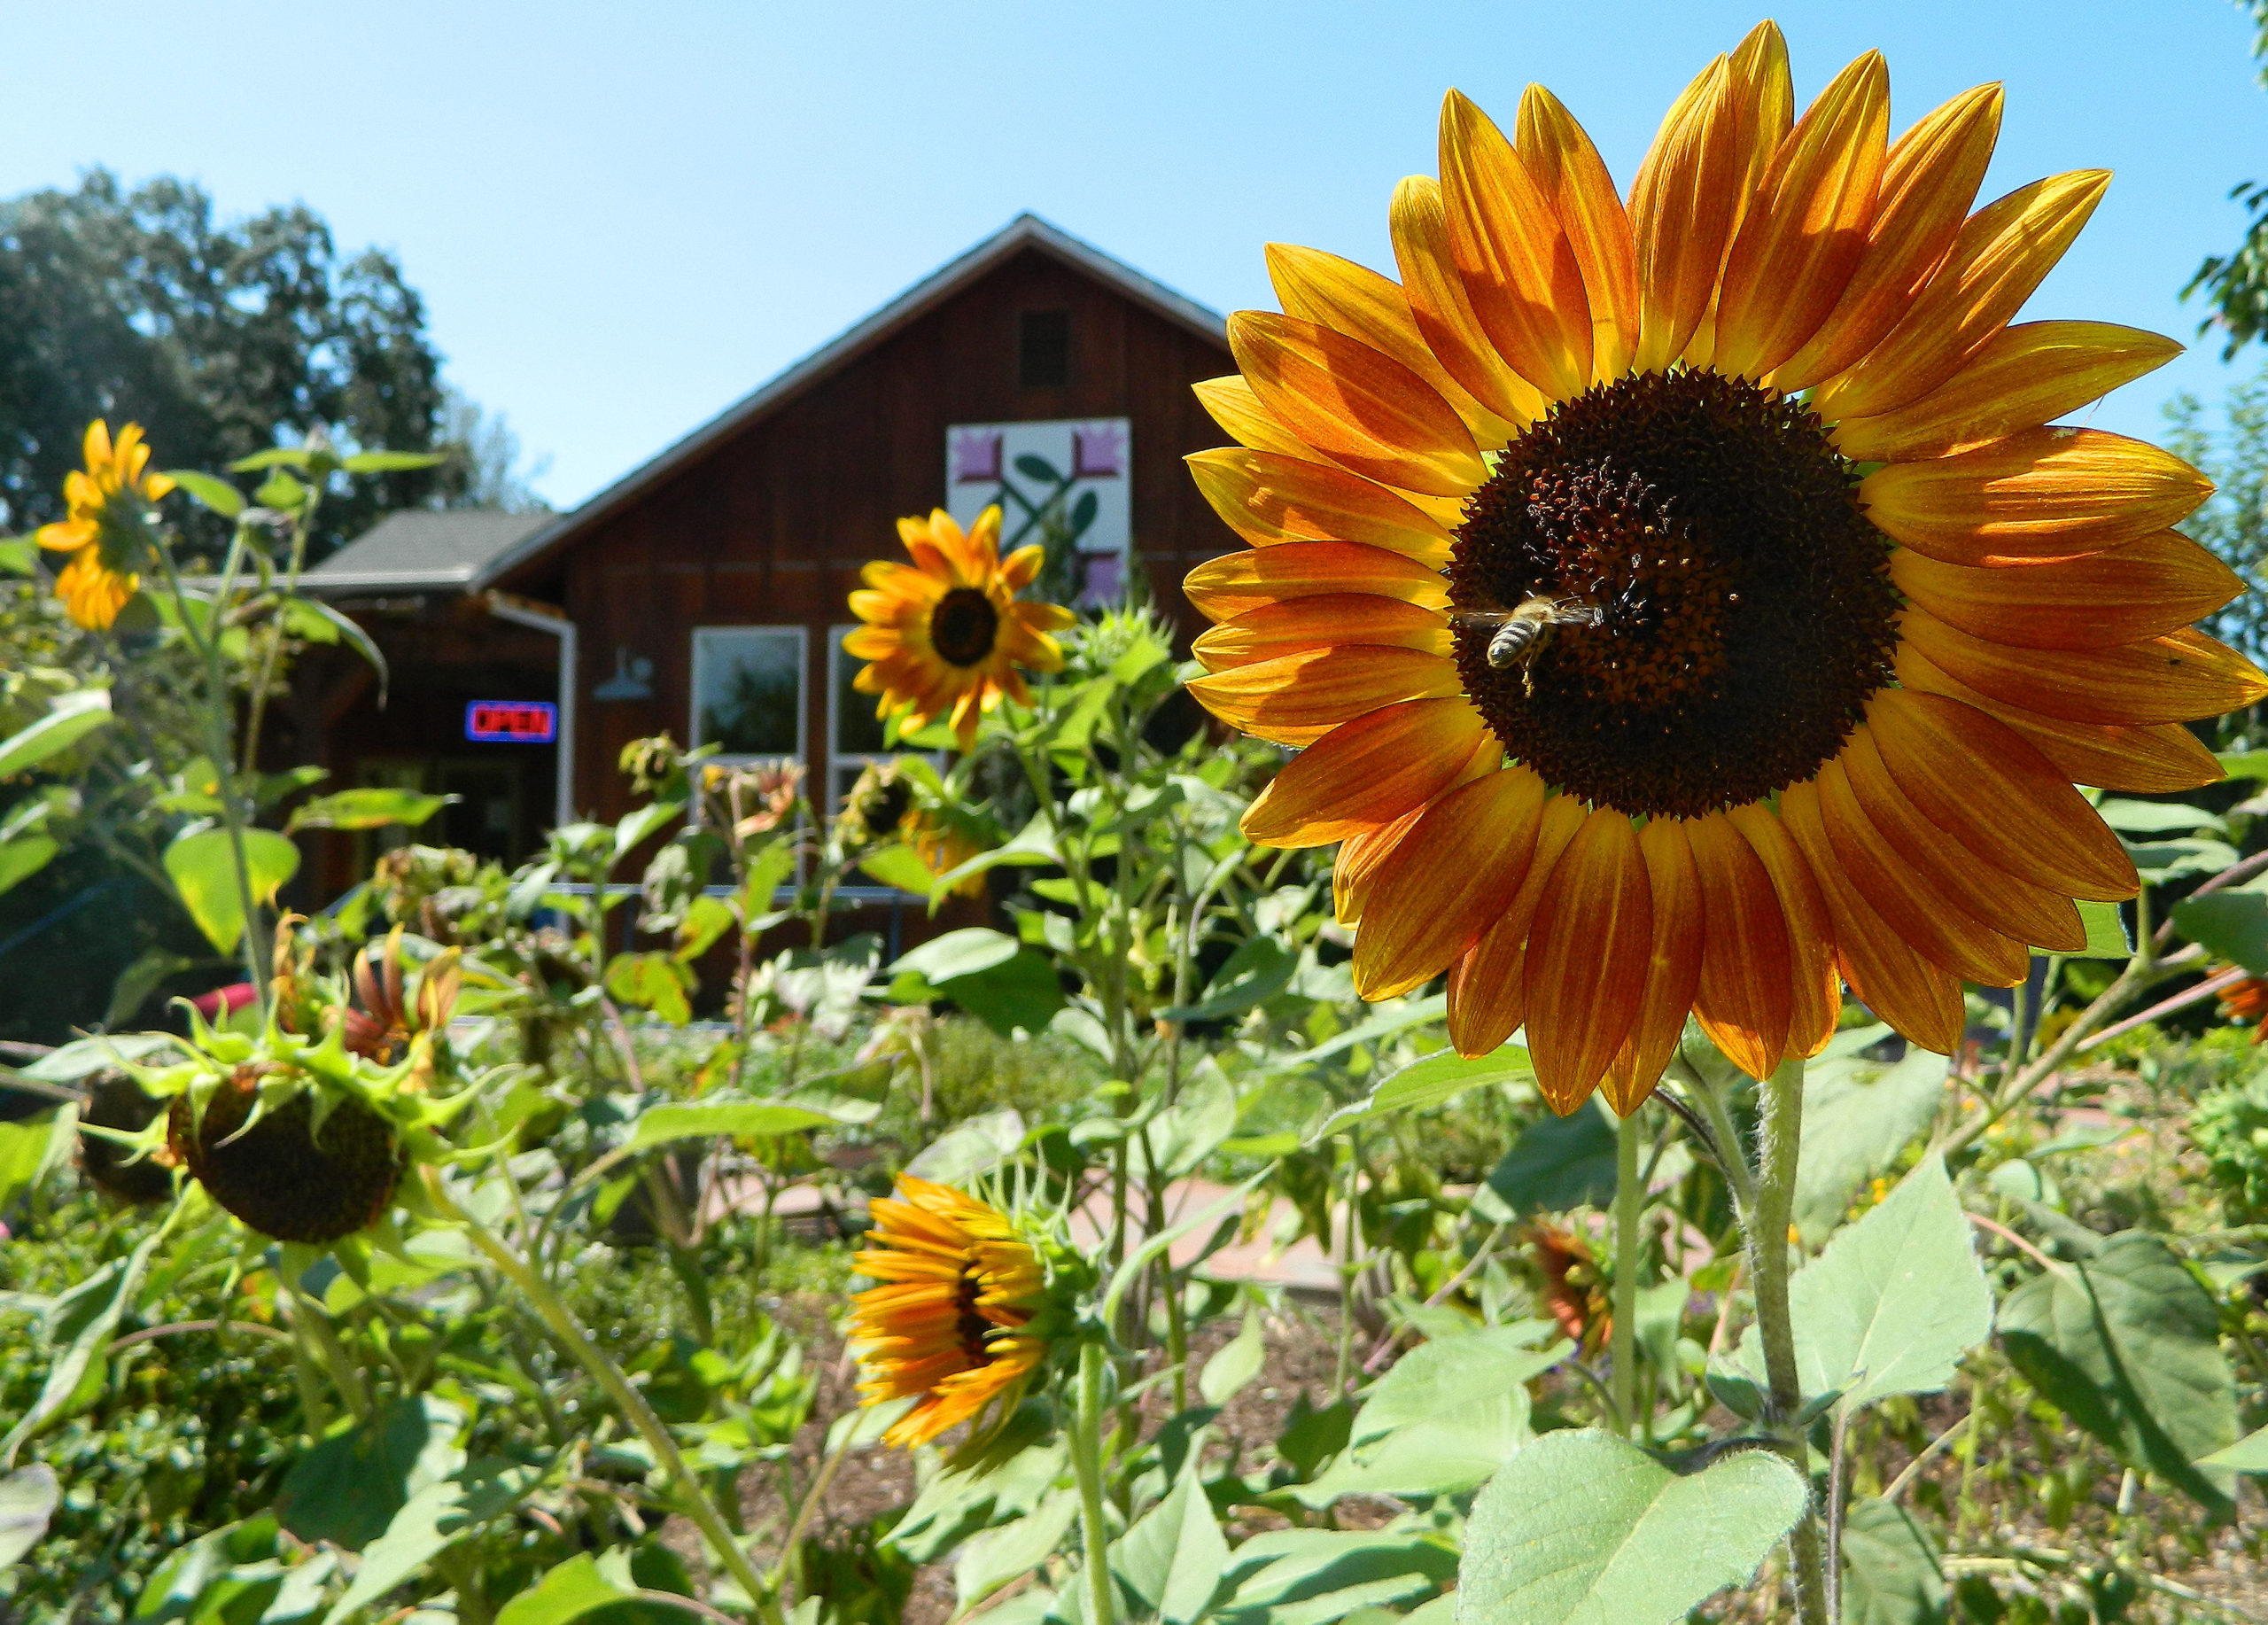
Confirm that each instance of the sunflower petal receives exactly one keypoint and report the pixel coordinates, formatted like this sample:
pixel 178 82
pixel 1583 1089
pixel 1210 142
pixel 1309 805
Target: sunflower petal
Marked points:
pixel 1745 997
pixel 2001 254
pixel 1673 969
pixel 1816 991
pixel 1267 498
pixel 1684 207
pixel 1450 876
pixel 2025 376
pixel 1806 232
pixel 1977 778
pixel 1568 170
pixel 2038 494
pixel 2118 596
pixel 1364 410
pixel 1228 586
pixel 1366 772
pixel 1765 92
pixel 1296 699
pixel 1487 986
pixel 1928 182
pixel 1442 308
pixel 1230 403
pixel 1513 254
pixel 1298 625
pixel 1591 945
pixel 2167 679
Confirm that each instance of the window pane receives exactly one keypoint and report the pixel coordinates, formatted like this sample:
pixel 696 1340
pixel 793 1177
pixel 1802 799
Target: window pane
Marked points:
pixel 858 731
pixel 749 690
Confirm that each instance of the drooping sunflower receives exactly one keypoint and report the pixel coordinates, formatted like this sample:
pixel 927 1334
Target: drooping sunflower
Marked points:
pixel 947 633
pixel 951 1321
pixel 106 527
pixel 1684 601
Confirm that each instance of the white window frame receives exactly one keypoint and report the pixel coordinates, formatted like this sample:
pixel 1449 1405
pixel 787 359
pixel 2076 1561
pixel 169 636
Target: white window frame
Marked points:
pixel 703 637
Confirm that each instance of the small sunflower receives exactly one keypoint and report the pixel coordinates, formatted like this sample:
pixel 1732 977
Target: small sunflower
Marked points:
pixel 1682 602
pixel 947 633
pixel 953 1319
pixel 106 529
pixel 2246 1000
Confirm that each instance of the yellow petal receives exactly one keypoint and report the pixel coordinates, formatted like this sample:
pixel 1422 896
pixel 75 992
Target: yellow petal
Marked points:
pixel 2118 596
pixel 1364 410
pixel 2174 678
pixel 1295 625
pixel 1366 773
pixel 1228 586
pixel 1268 498
pixel 1745 997
pixel 1443 310
pixel 1589 953
pixel 1454 873
pixel 1362 856
pixel 1296 699
pixel 1568 170
pixel 1815 993
pixel 1232 404
pixel 1513 254
pixel 1672 968
pixel 1684 207
pixel 1764 93
pixel 1487 986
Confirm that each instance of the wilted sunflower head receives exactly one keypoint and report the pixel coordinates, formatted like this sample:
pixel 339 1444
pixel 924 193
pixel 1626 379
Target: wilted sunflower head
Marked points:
pixel 966 1311
pixel 106 525
pixel 1682 601
pixel 136 1173
pixel 946 634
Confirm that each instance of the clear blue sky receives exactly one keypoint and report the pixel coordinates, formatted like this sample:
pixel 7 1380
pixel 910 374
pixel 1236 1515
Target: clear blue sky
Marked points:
pixel 625 217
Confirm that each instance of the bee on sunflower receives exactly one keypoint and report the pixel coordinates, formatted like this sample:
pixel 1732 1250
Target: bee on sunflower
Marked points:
pixel 967 1309
pixel 106 527
pixel 945 634
pixel 1685 603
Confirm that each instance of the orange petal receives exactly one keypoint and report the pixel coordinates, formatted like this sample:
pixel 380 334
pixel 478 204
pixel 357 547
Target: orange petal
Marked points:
pixel 1682 210
pixel 2153 756
pixel 1672 967
pixel 1805 233
pixel 1267 498
pixel 1356 300
pixel 1364 410
pixel 1454 873
pixel 2118 596
pixel 1366 773
pixel 1927 184
pixel 1228 586
pixel 1996 261
pixel 1921 1001
pixel 1442 308
pixel 1232 404
pixel 1918 908
pixel 1815 993
pixel 2038 494
pixel 1745 999
pixel 1568 170
pixel 1296 699
pixel 1978 779
pixel 1987 892
pixel 1513 254
pixel 2023 376
pixel 1764 93
pixel 1297 625
pixel 1360 856
pixel 2169 678
pixel 1487 986
pixel 1591 945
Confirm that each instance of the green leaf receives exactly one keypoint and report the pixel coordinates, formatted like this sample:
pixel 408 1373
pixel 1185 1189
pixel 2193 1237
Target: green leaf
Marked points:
pixel 89 1313
pixel 1181 1136
pixel 317 622
pixel 1292 1575
pixel 1259 969
pixel 70 718
pixel 970 1147
pixel 652 982
pixel 349 1487
pixel 204 871
pixel 282 492
pixel 2230 925
pixel 1583 1526
pixel 1890 1573
pixel 1438 1379
pixel 1389 1019
pixel 391 462
pixel 210 490
pixel 431 1519
pixel 18 555
pixel 1892 1304
pixel 636 828
pixel 275 458
pixel 1859 1116
pixel 1173 1558
pixel 958 953
pixel 987 973
pixel 1432 1080
pixel 1033 846
pixel 1014 1549
pixel 901 867
pixel 2127 1343
pixel 32 1147
pixel 569 1591
pixel 2248 1454
pixel 658 1126
pixel 2154 817
pixel 1558 1163
pixel 27 1500
pixel 2106 929
pixel 367 808
pixel 24 857
pixel 1234 1363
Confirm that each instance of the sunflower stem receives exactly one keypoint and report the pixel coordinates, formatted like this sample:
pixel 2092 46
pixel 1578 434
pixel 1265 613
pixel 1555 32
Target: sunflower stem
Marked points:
pixel 1086 1462
pixel 1767 1245
pixel 1629 1200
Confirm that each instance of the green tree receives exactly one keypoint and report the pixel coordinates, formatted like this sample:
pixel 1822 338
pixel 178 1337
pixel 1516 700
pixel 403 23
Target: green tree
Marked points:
pixel 2234 523
pixel 220 338
pixel 2235 286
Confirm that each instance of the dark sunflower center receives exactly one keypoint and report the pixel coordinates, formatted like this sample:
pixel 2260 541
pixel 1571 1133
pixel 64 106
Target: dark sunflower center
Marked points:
pixel 971 1327
pixel 1699 605
pixel 962 625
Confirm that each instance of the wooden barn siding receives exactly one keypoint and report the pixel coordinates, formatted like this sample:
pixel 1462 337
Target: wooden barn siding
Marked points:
pixel 771 526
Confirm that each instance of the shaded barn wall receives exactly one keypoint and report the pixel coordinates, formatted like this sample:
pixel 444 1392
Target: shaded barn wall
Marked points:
pixel 771 526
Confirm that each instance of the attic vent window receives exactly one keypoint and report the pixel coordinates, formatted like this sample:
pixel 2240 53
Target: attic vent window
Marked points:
pixel 1043 354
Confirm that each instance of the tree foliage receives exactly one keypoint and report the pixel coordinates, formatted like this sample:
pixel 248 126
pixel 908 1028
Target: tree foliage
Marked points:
pixel 2236 284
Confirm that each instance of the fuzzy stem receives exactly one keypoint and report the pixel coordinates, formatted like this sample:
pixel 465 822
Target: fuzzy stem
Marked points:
pixel 1086 1461
pixel 1629 1202
pixel 1767 1243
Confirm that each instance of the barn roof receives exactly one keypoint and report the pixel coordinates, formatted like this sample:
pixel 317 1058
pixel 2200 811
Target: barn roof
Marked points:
pixel 421 550
pixel 1026 230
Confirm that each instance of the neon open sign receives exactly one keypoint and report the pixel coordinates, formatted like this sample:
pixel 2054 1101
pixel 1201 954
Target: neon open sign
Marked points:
pixel 511 722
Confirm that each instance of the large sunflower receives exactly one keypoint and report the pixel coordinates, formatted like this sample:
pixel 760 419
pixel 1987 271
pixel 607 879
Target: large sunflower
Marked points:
pixel 947 633
pixel 1828 621
pixel 105 524
pixel 948 1322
